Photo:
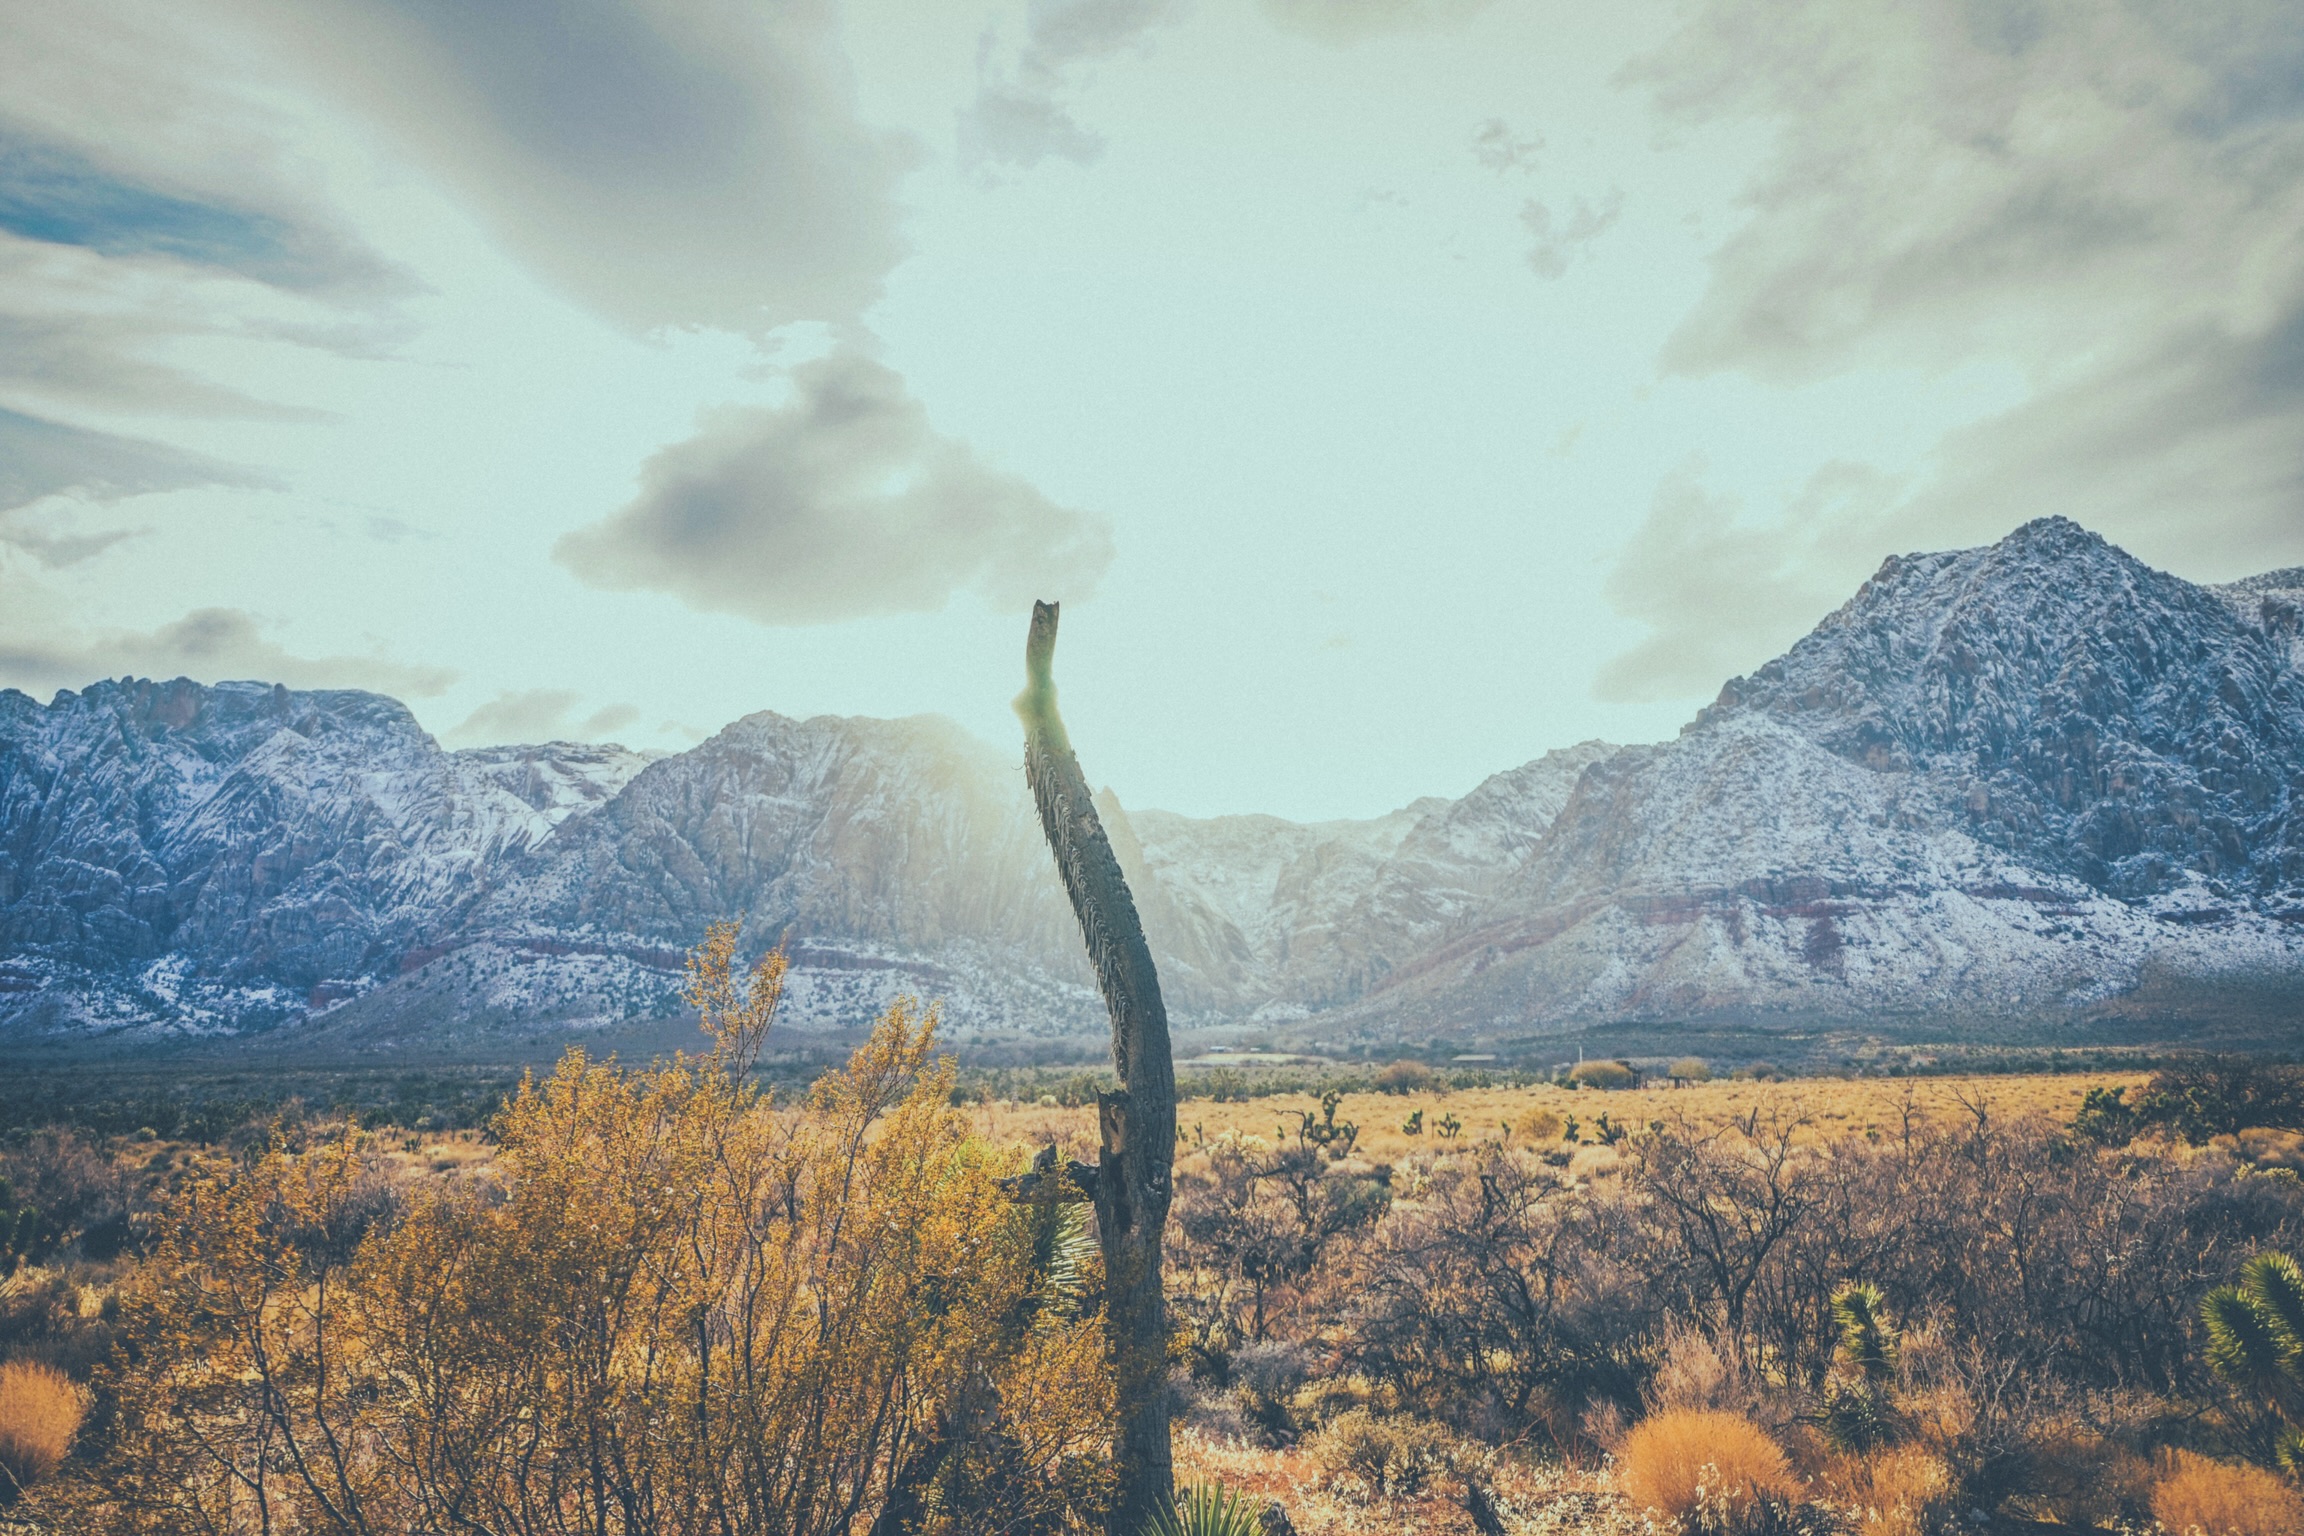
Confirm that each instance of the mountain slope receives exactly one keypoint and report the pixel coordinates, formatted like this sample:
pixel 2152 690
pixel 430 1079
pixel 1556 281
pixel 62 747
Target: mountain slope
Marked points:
pixel 239 854
pixel 2015 786
pixel 2011 783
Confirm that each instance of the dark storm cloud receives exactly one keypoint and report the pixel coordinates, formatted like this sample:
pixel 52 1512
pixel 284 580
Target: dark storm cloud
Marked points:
pixel 208 645
pixel 1019 117
pixel 668 162
pixel 844 503
pixel 2108 198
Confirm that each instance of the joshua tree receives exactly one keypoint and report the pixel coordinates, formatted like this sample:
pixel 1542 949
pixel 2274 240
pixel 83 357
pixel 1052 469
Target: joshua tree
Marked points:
pixel 1130 1183
pixel 2256 1345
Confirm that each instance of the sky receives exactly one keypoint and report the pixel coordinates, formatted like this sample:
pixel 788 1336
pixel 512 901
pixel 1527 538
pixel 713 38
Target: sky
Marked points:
pixel 1391 390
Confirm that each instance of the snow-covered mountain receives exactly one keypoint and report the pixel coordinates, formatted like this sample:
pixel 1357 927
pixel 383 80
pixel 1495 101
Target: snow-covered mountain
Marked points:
pixel 223 857
pixel 2013 783
pixel 2028 783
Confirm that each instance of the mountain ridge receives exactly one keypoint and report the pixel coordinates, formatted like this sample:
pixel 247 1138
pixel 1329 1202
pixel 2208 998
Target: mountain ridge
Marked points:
pixel 2032 784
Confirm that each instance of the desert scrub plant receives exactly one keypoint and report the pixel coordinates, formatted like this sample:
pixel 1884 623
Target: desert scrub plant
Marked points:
pixel 1208 1510
pixel 41 1409
pixel 1603 1074
pixel 2217 1498
pixel 1380 1455
pixel 1405 1077
pixel 2256 1347
pixel 678 1307
pixel 1907 1490
pixel 1717 1474
pixel 1539 1125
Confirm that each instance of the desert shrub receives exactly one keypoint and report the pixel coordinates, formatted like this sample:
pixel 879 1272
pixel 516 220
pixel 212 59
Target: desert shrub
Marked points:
pixel 1903 1491
pixel 1403 1077
pixel 1252 1226
pixel 59 1197
pixel 41 1409
pixel 1499 1298
pixel 1539 1125
pixel 1712 1472
pixel 1379 1455
pixel 1603 1074
pixel 1690 1069
pixel 2106 1118
pixel 2205 1096
pixel 2218 1498
pixel 674 1306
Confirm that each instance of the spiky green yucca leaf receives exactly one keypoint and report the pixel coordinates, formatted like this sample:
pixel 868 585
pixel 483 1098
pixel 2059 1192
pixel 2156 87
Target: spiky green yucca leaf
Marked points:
pixel 2243 1346
pixel 2276 1285
pixel 2288 1451
pixel 1208 1510
pixel 1868 1338
pixel 1070 1254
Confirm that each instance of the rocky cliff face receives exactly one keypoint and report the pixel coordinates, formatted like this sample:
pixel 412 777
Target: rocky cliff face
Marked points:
pixel 1999 784
pixel 219 857
pixel 2025 783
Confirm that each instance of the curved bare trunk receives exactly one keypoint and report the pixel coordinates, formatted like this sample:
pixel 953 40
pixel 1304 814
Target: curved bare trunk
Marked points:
pixel 1132 1178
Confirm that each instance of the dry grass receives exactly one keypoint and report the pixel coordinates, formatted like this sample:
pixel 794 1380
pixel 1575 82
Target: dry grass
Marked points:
pixel 1833 1108
pixel 1902 1492
pixel 1537 1501
pixel 40 1411
pixel 2218 1498
pixel 1717 1470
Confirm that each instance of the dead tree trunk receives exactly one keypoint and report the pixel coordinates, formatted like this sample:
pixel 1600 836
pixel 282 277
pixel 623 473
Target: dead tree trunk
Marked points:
pixel 1131 1183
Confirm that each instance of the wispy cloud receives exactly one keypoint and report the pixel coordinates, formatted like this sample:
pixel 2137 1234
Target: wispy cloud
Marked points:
pixel 1721 591
pixel 39 654
pixel 41 458
pixel 668 162
pixel 1559 242
pixel 2105 197
pixel 846 502
pixel 525 716
pixel 1020 116
pixel 1352 21
pixel 57 193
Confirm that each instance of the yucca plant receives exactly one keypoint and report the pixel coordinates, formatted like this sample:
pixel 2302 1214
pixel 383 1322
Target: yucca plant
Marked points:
pixel 2256 1345
pixel 1859 1414
pixel 1211 1509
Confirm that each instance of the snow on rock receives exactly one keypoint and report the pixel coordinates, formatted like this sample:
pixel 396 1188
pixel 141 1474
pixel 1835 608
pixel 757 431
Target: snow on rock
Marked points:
pixel 2031 782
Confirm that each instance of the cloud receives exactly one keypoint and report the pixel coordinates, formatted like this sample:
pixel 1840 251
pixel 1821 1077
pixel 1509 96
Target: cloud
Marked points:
pixel 147 203
pixel 535 715
pixel 844 503
pixel 1499 149
pixel 1018 117
pixel 58 193
pixel 1351 21
pixel 2108 197
pixel 667 162
pixel 1558 245
pixel 40 458
pixel 1722 594
pixel 208 645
